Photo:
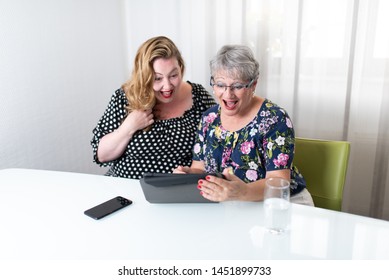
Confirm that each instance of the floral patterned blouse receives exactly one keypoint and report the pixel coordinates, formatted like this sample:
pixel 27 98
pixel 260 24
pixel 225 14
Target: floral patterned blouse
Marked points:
pixel 265 144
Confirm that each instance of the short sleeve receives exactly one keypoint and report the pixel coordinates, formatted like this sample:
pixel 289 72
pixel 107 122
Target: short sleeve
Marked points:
pixel 198 153
pixel 200 147
pixel 110 121
pixel 278 141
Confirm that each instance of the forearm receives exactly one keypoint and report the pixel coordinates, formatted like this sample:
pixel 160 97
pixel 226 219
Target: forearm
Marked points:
pixel 233 188
pixel 255 190
pixel 113 145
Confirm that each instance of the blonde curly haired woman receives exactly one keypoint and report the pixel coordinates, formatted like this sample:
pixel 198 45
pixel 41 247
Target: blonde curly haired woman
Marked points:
pixel 151 121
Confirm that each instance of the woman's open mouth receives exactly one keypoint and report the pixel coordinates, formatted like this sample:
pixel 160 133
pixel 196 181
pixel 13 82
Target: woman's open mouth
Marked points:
pixel 230 105
pixel 166 94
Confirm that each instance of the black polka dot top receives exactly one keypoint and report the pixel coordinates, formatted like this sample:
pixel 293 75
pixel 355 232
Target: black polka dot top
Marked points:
pixel 168 144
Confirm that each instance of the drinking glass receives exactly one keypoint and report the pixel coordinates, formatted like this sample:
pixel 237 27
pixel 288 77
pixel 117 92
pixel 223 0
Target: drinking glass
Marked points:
pixel 277 205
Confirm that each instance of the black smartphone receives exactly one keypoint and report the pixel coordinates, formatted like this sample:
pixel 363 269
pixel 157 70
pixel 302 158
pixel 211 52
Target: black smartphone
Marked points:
pixel 108 207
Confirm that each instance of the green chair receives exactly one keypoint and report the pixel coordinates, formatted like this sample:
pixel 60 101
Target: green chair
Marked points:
pixel 323 164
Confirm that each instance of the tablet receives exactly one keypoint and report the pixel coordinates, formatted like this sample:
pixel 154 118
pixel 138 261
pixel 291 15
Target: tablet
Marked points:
pixel 173 188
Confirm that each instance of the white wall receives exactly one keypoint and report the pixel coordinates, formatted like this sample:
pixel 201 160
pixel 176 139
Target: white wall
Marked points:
pixel 185 22
pixel 60 62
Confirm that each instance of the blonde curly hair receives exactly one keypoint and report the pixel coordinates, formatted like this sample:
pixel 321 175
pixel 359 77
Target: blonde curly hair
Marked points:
pixel 139 88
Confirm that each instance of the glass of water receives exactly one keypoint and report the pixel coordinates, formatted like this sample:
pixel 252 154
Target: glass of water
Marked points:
pixel 277 205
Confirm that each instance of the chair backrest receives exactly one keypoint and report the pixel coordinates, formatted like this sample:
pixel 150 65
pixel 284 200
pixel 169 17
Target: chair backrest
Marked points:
pixel 323 163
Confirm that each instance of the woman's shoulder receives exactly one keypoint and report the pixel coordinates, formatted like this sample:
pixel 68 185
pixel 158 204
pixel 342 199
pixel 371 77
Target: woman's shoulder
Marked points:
pixel 119 97
pixel 211 114
pixel 197 88
pixel 212 110
pixel 201 96
pixel 119 93
pixel 271 107
pixel 202 100
pixel 199 91
pixel 274 117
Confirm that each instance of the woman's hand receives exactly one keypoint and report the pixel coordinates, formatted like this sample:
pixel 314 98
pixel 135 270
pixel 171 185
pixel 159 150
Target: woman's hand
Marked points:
pixel 233 188
pixel 181 170
pixel 113 145
pixel 197 167
pixel 187 170
pixel 219 189
pixel 137 120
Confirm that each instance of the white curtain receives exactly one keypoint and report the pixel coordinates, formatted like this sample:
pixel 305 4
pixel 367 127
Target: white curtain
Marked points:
pixel 325 61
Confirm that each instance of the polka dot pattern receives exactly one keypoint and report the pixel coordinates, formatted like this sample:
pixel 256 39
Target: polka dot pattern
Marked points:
pixel 168 144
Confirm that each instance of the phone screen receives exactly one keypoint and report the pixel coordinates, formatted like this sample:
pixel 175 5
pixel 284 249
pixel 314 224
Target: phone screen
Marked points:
pixel 107 207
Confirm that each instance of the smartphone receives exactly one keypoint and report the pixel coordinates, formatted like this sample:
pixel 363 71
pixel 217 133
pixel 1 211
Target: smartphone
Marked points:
pixel 108 207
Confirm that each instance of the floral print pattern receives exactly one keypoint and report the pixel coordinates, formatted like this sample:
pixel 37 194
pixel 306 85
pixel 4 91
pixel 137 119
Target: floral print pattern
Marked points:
pixel 265 144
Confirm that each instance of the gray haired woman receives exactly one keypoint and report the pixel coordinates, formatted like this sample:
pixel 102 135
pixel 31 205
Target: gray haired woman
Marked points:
pixel 246 137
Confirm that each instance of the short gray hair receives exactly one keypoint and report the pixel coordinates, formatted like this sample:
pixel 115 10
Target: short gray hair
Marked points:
pixel 237 61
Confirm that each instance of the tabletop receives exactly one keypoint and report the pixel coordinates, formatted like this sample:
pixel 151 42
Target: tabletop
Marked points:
pixel 42 217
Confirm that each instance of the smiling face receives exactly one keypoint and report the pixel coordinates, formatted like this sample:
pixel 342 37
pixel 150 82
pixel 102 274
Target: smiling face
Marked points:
pixel 234 95
pixel 167 79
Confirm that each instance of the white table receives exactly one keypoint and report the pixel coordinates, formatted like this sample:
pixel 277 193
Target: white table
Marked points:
pixel 41 217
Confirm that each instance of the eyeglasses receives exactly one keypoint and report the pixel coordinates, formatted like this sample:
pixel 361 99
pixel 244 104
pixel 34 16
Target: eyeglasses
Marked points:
pixel 221 88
